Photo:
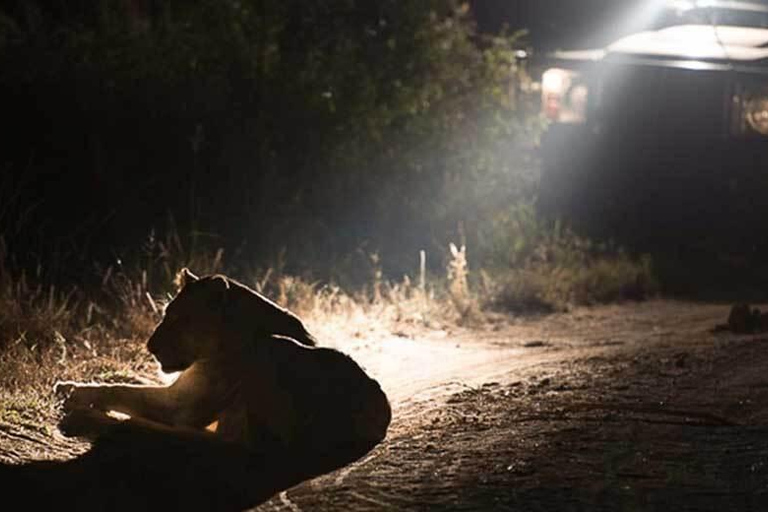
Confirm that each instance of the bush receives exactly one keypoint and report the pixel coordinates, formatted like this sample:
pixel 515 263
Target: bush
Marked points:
pixel 307 128
pixel 540 266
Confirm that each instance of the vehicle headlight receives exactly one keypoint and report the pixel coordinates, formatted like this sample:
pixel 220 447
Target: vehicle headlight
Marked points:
pixel 756 113
pixel 563 96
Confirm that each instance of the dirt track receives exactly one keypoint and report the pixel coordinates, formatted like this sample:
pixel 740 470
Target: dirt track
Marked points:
pixel 636 407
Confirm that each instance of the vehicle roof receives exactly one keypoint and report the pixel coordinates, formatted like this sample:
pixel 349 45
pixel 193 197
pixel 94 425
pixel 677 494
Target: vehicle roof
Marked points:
pixel 706 42
pixel 687 5
pixel 685 43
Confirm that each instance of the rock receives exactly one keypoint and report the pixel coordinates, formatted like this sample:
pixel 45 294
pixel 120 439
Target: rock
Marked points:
pixel 743 319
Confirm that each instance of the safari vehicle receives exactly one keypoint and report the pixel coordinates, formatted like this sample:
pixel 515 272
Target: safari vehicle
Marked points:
pixel 662 136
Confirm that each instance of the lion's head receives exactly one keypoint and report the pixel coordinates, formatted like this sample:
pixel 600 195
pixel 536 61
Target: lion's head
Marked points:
pixel 211 310
pixel 193 325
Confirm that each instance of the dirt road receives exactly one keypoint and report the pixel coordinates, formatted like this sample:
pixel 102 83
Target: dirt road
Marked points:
pixel 636 407
pixel 633 407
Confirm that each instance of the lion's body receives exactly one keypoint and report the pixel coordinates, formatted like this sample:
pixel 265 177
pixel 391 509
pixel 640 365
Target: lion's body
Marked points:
pixel 244 368
pixel 311 398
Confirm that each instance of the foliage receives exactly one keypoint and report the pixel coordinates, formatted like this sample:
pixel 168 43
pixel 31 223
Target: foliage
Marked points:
pixel 315 128
pixel 339 137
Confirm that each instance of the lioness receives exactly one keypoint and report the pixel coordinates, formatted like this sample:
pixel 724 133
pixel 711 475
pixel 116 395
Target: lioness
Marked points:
pixel 285 410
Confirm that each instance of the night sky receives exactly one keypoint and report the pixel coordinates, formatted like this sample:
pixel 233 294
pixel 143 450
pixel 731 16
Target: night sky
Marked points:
pixel 556 23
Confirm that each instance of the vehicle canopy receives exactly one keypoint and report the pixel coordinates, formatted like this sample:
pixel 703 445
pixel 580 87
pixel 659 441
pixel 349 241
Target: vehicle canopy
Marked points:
pixel 658 140
pixel 709 31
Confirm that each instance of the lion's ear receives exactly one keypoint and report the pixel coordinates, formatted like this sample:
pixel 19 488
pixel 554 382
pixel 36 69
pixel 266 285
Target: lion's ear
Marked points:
pixel 188 277
pixel 184 277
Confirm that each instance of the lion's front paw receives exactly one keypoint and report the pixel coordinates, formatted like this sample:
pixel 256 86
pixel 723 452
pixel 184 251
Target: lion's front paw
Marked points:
pixel 77 396
pixel 63 389
pixel 84 423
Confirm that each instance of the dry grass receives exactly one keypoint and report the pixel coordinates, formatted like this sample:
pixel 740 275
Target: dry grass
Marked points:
pixel 47 334
pixel 32 313
pixel 546 287
pixel 540 267
pixel 384 305
pixel 99 333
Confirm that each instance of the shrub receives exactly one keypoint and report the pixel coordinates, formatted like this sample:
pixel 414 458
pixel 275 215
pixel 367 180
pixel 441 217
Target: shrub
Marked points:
pixel 318 127
pixel 540 266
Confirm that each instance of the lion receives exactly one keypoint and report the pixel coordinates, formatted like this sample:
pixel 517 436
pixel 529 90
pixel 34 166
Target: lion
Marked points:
pixel 284 409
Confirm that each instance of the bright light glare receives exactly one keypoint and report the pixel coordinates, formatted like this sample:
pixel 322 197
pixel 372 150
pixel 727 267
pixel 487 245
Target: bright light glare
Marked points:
pixel 554 81
pixel 682 5
pixel 563 98
pixel 687 5
pixel 641 17
pixel 118 415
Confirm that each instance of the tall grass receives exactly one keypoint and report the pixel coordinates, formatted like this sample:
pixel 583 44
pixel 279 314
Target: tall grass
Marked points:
pixel 31 312
pixel 97 330
pixel 539 266
pixel 113 314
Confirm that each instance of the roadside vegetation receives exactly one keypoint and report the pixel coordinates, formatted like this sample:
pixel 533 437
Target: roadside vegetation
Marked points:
pixel 48 333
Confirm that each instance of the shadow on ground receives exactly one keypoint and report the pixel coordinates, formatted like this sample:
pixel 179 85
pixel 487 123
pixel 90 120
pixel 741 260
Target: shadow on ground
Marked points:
pixel 133 470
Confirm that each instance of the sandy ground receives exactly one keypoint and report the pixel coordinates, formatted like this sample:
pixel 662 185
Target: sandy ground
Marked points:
pixel 635 407
pixel 632 407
